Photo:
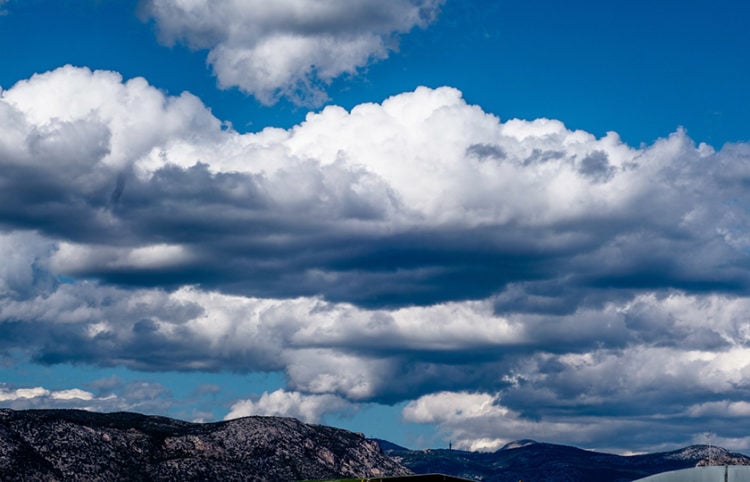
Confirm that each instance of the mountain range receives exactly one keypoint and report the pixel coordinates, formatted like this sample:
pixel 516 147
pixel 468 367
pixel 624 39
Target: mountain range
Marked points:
pixel 542 462
pixel 62 445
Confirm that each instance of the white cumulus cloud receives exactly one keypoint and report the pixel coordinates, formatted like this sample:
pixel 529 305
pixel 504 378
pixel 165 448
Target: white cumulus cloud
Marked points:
pixel 290 48
pixel 282 403
pixel 478 422
pixel 39 396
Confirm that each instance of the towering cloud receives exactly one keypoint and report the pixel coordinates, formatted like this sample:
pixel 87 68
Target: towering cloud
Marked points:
pixel 418 200
pixel 513 276
pixel 289 48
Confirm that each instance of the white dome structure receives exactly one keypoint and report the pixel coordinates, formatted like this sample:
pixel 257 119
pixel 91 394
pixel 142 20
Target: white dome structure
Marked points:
pixel 716 473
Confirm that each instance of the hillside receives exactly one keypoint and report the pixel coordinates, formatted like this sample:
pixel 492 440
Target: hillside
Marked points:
pixel 542 462
pixel 55 445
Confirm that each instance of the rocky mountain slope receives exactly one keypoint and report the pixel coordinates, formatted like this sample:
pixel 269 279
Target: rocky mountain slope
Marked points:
pixel 529 460
pixel 52 445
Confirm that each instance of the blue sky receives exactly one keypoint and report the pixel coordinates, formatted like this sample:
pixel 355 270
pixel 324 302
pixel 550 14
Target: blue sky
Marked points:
pixel 523 219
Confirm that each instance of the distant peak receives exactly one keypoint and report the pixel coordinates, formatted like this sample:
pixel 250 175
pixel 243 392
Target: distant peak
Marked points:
pixel 385 445
pixel 700 450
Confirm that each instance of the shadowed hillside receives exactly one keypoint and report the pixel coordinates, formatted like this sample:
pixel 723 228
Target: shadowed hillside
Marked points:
pixel 67 445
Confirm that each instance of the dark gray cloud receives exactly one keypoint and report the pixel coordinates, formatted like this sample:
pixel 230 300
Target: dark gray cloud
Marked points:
pixel 486 151
pixel 596 166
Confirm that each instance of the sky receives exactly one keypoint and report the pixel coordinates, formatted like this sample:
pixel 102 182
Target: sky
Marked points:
pixel 429 221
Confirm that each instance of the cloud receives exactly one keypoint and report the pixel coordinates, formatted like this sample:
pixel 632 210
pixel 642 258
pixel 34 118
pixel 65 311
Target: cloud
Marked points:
pixel 478 422
pixel 392 204
pixel 452 406
pixel 604 399
pixel 292 48
pixel 338 348
pixel 72 258
pixel 723 408
pixel 281 403
pixel 102 395
pixel 20 270
pixel 413 248
pixel 465 415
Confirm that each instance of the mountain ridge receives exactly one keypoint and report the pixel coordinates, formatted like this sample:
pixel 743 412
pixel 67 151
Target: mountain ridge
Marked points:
pixel 546 462
pixel 80 445
pixel 54 445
